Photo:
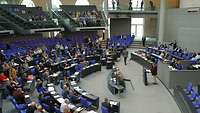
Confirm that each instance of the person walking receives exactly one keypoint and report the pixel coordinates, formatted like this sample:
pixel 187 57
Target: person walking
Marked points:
pixel 125 55
pixel 113 4
pixel 141 4
pixel 143 41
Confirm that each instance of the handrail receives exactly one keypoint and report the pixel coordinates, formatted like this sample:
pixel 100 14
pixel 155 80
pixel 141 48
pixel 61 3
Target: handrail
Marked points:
pixel 70 18
pixel 63 20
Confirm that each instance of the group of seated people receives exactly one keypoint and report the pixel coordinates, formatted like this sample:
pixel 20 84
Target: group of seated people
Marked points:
pixel 172 54
pixel 178 51
pixel 86 18
pixel 17 71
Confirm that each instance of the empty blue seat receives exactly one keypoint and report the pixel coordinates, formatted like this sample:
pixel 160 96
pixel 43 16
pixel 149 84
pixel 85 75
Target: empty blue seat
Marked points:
pixel 189 88
pixel 21 106
pixel 193 95
pixel 196 103
pixel 85 103
pixel 23 111
pixel 92 62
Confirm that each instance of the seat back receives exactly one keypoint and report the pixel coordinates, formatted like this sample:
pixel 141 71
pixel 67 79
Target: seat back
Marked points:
pixel 189 87
pixel 84 102
pixel 104 109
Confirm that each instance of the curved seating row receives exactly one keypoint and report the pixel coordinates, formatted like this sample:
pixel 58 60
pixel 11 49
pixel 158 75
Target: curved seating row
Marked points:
pixel 171 53
pixel 188 99
pixel 120 41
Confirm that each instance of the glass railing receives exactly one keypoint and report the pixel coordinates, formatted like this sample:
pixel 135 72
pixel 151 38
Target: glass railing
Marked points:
pixel 65 20
pixel 126 8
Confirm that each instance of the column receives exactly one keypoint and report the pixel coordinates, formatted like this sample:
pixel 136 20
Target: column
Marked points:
pixel 162 14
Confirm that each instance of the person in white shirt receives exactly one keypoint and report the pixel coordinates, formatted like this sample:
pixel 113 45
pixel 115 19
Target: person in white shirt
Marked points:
pixel 197 57
pixel 64 105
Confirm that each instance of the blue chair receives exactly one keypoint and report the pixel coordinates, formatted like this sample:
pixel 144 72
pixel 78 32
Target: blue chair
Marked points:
pixel 92 62
pixel 79 68
pixel 85 103
pixel 104 109
pixel 192 96
pixel 196 103
pixel 23 111
pixel 20 106
pixel 46 107
pixel 57 110
pixel 189 88
pixel 179 66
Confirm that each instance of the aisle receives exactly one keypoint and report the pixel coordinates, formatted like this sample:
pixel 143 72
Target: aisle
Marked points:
pixel 144 99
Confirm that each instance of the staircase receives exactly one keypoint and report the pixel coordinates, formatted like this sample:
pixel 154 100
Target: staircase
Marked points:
pixel 136 44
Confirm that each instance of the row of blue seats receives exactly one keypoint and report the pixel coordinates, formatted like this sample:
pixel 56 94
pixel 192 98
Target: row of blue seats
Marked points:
pixel 193 96
pixel 180 55
pixel 116 41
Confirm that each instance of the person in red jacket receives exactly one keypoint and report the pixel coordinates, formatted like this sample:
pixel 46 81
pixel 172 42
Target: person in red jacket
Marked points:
pixel 3 78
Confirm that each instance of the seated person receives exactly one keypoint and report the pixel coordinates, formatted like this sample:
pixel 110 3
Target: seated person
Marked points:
pixel 106 104
pixel 12 87
pixel 25 64
pixel 73 97
pixel 173 62
pixel 178 65
pixel 65 93
pixel 64 106
pixel 3 78
pixel 12 73
pixel 197 57
pixel 29 58
pixel 31 108
pixel 19 96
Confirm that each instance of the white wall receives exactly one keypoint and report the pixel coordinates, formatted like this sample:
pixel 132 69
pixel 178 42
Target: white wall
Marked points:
pixel 189 3
pixel 183 27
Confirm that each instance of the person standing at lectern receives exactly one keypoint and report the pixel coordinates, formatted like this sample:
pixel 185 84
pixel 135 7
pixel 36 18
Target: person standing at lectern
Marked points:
pixel 125 55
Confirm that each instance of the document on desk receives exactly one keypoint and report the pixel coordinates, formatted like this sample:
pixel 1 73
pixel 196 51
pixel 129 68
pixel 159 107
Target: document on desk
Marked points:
pixel 53 92
pixel 50 84
pixel 50 89
pixel 61 100
pixel 77 88
pixel 57 96
pixel 91 111
pixel 30 67
pixel 84 93
pixel 29 81
pixel 79 109
pixel 76 73
pixel 113 103
pixel 71 106
pixel 27 96
pixel 73 83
